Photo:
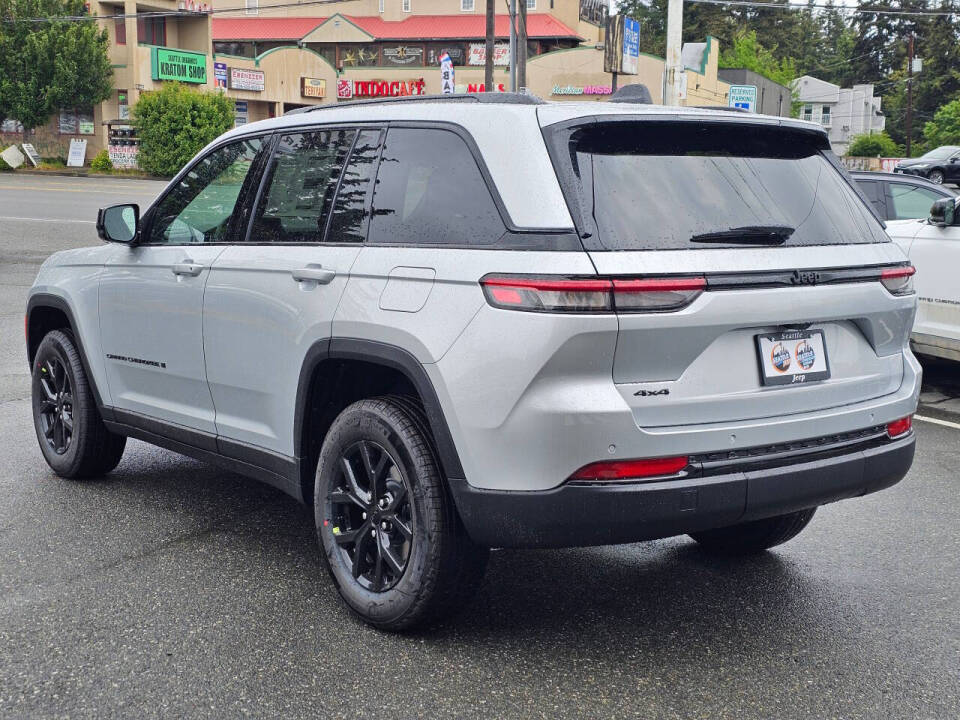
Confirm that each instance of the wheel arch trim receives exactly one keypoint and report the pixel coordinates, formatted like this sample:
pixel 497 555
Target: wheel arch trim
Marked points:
pixel 390 356
pixel 56 302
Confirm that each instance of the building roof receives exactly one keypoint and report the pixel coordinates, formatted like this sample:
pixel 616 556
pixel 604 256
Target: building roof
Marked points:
pixel 415 27
pixel 260 28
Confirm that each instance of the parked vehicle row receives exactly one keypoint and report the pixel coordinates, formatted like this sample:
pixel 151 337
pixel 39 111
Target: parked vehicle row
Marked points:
pixel 451 324
pixel 940 165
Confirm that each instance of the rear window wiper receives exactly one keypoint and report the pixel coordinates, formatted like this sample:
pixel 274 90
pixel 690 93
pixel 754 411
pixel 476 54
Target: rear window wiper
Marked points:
pixel 747 235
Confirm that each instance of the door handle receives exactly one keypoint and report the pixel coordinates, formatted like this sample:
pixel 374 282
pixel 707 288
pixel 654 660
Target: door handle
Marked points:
pixel 314 273
pixel 188 267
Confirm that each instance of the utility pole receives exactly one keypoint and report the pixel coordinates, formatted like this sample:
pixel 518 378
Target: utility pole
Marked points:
pixel 674 63
pixel 522 47
pixel 513 45
pixel 909 122
pixel 488 57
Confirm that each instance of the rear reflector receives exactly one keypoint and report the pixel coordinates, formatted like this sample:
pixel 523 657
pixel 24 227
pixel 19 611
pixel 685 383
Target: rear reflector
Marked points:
pixel 557 294
pixel 898 280
pixel 630 469
pixel 900 427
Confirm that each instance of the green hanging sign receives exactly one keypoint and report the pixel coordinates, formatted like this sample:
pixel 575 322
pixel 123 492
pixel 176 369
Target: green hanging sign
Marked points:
pixel 181 65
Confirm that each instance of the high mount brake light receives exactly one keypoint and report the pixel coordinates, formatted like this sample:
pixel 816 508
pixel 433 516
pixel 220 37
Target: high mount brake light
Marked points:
pixel 898 280
pixel 900 427
pixel 557 294
pixel 614 470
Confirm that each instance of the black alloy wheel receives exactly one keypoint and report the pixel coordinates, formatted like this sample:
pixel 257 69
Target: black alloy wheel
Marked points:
pixel 368 507
pixel 56 405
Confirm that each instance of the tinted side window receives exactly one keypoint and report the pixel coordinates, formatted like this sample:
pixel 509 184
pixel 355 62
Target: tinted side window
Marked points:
pixel 301 183
pixel 874 192
pixel 910 201
pixel 429 190
pixel 351 208
pixel 199 209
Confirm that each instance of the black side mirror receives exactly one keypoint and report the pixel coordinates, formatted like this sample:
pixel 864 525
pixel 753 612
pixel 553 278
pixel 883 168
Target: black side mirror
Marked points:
pixel 943 212
pixel 118 223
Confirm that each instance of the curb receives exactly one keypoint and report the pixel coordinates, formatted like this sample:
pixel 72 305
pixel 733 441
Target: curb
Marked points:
pixel 81 172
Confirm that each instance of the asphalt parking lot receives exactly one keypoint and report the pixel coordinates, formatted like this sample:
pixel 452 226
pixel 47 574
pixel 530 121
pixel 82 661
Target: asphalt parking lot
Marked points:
pixel 175 589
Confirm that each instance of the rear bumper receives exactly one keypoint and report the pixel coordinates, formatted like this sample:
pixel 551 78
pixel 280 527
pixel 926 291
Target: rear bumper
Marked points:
pixel 713 495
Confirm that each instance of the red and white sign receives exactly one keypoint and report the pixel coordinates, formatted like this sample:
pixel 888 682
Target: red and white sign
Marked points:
pixel 347 89
pixel 477 54
pixel 242 79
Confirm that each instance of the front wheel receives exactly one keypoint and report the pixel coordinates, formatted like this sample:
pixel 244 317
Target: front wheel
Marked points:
pixel 390 536
pixel 936 176
pixel 756 536
pixel 73 439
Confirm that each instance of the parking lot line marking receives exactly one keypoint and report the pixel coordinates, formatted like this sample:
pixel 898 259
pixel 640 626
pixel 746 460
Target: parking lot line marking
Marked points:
pixel 58 220
pixel 938 421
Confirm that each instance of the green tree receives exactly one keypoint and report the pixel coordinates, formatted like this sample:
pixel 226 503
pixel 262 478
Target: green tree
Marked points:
pixel 175 123
pixel 873 145
pixel 47 66
pixel 747 52
pixel 944 129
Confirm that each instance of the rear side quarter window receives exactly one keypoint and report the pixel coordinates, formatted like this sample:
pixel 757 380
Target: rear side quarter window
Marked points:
pixel 430 191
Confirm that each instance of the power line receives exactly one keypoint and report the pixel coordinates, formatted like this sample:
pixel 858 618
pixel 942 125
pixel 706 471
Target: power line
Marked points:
pixel 840 8
pixel 166 13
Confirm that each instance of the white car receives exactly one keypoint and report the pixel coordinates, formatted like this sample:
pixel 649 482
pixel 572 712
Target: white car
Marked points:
pixel 933 245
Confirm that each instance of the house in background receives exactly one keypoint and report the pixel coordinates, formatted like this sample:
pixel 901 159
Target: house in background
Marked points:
pixel 844 112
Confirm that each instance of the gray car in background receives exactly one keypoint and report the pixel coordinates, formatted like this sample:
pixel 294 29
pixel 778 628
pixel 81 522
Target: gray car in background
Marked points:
pixel 451 324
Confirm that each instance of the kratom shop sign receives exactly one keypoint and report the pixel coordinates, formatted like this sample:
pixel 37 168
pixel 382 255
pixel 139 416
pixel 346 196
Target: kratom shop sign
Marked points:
pixel 182 65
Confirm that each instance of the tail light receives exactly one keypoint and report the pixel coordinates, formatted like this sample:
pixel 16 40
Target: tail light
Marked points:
pixel 898 280
pixel 900 427
pixel 557 294
pixel 614 470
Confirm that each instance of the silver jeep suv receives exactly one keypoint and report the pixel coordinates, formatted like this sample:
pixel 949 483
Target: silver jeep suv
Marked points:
pixel 451 324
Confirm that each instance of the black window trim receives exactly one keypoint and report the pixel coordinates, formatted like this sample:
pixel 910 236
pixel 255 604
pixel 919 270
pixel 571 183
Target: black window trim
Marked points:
pixel 514 238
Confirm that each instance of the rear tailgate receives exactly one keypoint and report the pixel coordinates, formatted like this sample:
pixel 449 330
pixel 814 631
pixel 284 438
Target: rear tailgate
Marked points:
pixel 787 249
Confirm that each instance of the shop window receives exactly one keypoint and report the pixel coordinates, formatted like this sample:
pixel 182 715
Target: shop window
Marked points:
pixel 152 30
pixel 358 55
pixel 430 191
pixel 405 6
pixel 305 171
pixel 251 7
pixel 381 7
pixel 75 121
pixel 456 52
pixel 120 30
pixel 350 210
pixel 466 5
pixel 531 4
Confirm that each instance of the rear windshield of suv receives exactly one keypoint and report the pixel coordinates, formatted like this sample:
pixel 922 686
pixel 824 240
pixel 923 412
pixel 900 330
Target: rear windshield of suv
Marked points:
pixel 658 185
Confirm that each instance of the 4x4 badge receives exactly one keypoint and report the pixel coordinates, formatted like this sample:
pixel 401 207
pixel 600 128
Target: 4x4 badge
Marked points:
pixel 648 393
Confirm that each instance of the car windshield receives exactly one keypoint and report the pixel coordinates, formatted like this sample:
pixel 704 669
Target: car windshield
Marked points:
pixel 941 153
pixel 654 185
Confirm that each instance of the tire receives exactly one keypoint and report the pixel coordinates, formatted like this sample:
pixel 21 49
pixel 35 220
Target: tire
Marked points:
pixel 400 558
pixel 61 398
pixel 935 176
pixel 754 537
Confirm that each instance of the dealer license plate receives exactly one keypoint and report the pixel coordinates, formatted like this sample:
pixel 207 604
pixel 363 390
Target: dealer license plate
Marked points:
pixel 792 357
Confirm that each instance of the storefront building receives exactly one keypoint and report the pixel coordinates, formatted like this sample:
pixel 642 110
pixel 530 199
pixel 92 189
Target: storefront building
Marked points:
pixel 272 60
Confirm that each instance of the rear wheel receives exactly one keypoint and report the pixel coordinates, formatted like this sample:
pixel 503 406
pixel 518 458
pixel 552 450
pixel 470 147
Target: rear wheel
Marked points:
pixel 756 536
pixel 73 439
pixel 390 536
pixel 936 176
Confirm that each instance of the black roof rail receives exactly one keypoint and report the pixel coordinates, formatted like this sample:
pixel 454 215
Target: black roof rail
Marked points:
pixel 492 98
